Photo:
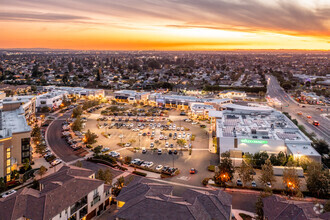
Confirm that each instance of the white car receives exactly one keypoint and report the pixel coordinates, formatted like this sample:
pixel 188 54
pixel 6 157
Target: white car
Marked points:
pixel 56 161
pixel 194 123
pixel 144 164
pixel 135 161
pixel 158 126
pixel 105 149
pixel 182 128
pixel 114 154
pixel 6 194
pixel 152 145
pixel 159 167
pixel 166 144
pixel 127 145
pixel 179 136
pixel 149 164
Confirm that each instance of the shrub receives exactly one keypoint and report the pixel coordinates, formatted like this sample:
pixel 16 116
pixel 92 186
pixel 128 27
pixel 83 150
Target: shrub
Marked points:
pixel 139 173
pixel 205 181
pixel 211 168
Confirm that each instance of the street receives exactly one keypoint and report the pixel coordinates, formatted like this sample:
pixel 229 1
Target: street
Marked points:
pixel 274 90
pixel 57 143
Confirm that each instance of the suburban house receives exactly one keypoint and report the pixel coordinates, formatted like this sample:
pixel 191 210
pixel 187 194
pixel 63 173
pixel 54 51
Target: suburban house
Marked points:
pixel 160 203
pixel 278 208
pixel 70 193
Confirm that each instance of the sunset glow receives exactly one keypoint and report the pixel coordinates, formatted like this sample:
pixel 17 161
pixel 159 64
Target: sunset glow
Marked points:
pixel 165 25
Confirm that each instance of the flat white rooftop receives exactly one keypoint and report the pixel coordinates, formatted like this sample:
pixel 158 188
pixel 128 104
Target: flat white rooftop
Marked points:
pixel 15 121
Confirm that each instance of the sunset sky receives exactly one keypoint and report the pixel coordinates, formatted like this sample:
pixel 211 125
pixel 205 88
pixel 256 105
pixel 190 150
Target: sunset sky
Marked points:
pixel 165 24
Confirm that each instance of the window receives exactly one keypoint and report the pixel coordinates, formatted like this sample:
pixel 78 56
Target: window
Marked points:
pixel 8 170
pixel 25 143
pixel 43 102
pixel 8 162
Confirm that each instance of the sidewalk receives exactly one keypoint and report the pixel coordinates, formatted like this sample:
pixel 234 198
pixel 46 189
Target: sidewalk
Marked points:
pixel 237 211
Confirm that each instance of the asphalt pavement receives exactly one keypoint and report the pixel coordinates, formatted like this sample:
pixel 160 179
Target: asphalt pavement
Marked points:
pixel 57 143
pixel 274 90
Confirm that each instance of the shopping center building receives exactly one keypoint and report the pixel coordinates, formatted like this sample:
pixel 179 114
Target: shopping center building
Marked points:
pixel 251 129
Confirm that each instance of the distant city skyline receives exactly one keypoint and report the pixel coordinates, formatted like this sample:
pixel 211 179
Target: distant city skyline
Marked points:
pixel 165 25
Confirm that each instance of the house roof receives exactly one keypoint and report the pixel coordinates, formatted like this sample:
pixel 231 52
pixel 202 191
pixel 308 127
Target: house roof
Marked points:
pixel 276 208
pixel 161 204
pixel 59 191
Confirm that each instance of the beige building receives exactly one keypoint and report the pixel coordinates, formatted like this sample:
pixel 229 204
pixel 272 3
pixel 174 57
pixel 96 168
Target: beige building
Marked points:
pixel 70 193
pixel 14 139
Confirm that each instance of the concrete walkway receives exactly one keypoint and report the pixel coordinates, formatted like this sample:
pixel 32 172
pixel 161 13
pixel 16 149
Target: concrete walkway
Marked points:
pixel 238 217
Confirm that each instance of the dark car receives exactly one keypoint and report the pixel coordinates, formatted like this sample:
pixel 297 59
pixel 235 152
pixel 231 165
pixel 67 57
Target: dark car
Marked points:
pixel 170 152
pixel 175 152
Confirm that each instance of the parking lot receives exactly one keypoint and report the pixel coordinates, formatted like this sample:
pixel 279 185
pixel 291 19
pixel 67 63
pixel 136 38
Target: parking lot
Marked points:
pixel 198 157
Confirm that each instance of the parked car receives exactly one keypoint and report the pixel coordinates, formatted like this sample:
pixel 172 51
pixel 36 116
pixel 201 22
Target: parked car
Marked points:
pixel 152 145
pixel 144 151
pixel 239 182
pixel 159 151
pixel 6 194
pixel 269 184
pixel 114 154
pixel 253 184
pixel 159 167
pixel 149 164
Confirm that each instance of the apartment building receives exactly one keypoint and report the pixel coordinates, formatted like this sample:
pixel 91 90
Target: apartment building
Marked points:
pixel 28 104
pixel 14 139
pixel 70 193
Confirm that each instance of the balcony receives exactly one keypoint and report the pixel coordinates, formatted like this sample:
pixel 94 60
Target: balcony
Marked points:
pixel 79 204
pixel 96 199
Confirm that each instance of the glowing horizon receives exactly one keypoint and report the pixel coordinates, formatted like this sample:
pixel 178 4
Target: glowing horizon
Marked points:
pixel 165 25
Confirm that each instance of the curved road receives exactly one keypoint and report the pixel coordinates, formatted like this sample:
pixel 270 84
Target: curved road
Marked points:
pixel 274 90
pixel 57 143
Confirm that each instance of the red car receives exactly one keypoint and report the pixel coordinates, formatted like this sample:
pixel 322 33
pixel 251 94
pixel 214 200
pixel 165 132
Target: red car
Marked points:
pixel 316 123
pixel 192 171
pixel 308 116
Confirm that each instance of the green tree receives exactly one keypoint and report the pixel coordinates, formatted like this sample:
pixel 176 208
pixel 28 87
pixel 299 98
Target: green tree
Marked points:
pixel 35 131
pixel 181 142
pixel 105 175
pixel 290 178
pixel 77 112
pixel 65 101
pixel 226 171
pixel 97 150
pixel 248 158
pixel 318 180
pixel 259 206
pixel 77 124
pixel 321 146
pixel 281 158
pixel 244 173
pixel 260 158
pixel 42 171
pixel 3 185
pixel 40 149
pixel 90 138
pixel 267 173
